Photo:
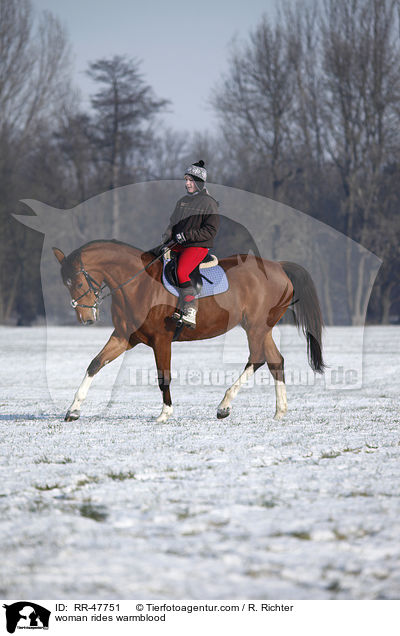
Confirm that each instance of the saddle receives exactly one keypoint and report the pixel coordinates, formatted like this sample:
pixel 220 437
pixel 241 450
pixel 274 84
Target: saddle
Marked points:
pixel 197 276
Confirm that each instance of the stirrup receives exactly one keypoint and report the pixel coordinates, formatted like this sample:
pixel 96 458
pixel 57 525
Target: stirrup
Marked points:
pixel 177 315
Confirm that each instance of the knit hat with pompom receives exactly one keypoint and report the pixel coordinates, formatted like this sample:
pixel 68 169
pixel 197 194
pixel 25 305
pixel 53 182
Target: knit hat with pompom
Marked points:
pixel 198 173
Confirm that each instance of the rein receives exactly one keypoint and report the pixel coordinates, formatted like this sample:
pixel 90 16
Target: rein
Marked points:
pixel 97 288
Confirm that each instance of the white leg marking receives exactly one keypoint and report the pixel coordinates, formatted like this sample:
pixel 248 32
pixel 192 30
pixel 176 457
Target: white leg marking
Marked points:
pixel 281 399
pixel 81 393
pixel 165 413
pixel 231 393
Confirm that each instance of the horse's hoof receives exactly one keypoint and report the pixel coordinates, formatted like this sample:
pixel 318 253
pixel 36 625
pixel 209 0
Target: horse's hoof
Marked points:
pixel 71 416
pixel 161 418
pixel 164 415
pixel 279 415
pixel 221 413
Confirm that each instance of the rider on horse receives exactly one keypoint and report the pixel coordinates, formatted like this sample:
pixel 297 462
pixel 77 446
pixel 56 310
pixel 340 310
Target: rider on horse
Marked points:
pixel 193 225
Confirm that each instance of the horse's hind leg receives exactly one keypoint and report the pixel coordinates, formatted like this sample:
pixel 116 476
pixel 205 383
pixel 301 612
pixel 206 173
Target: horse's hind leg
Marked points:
pixel 111 350
pixel 224 407
pixel 162 354
pixel 276 366
pixel 256 360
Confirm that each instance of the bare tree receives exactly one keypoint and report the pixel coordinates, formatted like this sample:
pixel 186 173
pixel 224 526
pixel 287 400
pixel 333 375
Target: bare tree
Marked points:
pixel 33 63
pixel 169 150
pixel 255 104
pixel 311 104
pixel 361 127
pixel 33 82
pixel 384 240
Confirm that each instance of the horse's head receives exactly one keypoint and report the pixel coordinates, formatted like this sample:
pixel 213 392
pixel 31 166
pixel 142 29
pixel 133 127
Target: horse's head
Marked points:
pixel 84 288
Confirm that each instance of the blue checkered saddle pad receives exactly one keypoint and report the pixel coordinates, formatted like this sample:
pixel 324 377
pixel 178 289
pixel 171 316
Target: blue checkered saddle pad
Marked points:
pixel 216 275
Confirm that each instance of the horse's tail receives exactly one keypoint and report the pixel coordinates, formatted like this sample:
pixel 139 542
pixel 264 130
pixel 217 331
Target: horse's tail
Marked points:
pixel 307 312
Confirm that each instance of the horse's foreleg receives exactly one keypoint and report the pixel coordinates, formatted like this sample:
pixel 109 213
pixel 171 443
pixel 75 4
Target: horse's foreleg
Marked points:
pixel 162 354
pixel 276 366
pixel 112 349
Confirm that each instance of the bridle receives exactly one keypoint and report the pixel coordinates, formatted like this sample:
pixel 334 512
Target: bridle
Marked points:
pixel 93 286
pixel 98 288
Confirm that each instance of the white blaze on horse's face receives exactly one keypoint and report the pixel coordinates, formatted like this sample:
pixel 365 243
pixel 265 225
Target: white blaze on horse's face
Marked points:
pixel 88 315
pixel 83 299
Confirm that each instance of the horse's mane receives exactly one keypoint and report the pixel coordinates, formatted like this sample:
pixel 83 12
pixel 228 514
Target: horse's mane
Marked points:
pixel 76 254
pixel 80 249
pixel 108 241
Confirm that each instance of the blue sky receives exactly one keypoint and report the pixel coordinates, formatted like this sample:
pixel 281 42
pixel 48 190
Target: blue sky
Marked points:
pixel 184 46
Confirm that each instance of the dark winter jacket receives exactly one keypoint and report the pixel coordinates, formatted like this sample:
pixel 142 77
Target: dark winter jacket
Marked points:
pixel 196 216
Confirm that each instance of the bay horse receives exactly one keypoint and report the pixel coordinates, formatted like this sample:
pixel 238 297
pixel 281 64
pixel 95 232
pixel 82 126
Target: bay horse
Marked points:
pixel 259 293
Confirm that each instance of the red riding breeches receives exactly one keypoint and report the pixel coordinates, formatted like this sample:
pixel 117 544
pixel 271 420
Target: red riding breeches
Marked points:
pixel 189 258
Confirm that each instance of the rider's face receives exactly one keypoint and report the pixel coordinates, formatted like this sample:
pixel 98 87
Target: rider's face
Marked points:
pixel 190 184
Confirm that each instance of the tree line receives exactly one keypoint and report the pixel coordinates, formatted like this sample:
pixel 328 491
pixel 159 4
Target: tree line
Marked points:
pixel 308 115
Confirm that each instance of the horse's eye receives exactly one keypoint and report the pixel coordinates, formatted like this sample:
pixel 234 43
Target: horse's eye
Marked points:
pixel 80 285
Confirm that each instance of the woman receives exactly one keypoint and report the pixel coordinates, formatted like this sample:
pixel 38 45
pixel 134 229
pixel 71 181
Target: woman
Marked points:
pixel 193 225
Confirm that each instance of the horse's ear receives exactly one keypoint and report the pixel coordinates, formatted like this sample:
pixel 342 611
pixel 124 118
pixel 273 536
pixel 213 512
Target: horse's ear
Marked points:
pixel 60 256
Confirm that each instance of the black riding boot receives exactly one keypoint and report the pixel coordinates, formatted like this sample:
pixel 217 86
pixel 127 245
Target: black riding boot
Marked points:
pixel 187 305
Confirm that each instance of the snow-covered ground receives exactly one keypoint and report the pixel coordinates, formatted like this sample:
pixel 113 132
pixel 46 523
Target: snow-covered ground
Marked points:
pixel 117 506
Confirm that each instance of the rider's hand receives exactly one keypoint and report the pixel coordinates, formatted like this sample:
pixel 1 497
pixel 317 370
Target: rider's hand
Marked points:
pixel 180 237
